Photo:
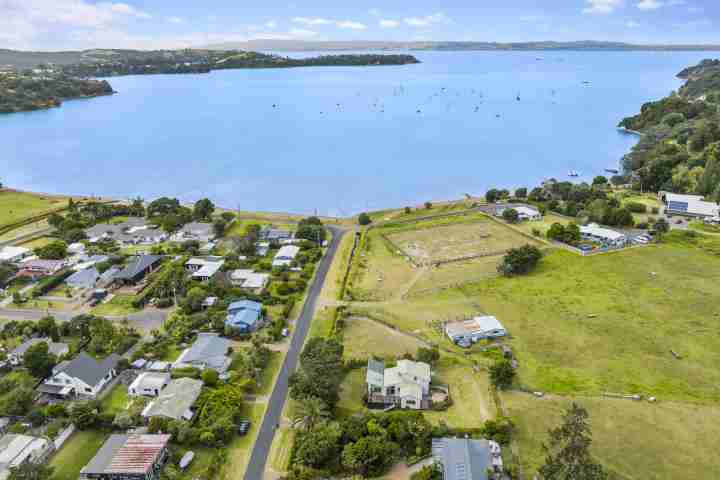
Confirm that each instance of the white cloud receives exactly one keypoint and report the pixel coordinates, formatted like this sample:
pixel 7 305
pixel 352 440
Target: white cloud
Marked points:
pixel 385 23
pixel 176 20
pixel 350 25
pixel 650 5
pixel 271 24
pixel 312 21
pixel 601 6
pixel 48 23
pixel 429 20
pixel 632 24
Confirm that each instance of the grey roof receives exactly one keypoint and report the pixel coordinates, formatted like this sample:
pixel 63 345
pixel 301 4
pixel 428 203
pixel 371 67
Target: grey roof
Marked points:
pixel 87 368
pixel 127 454
pixel 15 449
pixel 175 400
pixel 198 228
pixel 137 266
pixel 209 350
pixel 375 372
pixel 53 347
pixel 462 459
pixel 109 275
pixel 87 277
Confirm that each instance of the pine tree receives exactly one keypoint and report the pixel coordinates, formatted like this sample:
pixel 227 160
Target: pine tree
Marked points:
pixel 568 452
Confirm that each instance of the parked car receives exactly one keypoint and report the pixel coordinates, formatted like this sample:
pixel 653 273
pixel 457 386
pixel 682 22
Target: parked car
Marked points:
pixel 244 427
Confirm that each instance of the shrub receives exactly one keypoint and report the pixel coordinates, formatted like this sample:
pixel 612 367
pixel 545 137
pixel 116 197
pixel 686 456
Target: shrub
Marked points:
pixel 518 261
pixel 364 219
pixel 636 207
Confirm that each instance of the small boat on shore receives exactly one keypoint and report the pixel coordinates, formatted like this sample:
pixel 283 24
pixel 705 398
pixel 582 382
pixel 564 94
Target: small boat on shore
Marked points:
pixel 573 173
pixel 614 171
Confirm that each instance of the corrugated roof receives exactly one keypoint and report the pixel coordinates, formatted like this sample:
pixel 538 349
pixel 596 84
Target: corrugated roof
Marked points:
pixel 127 454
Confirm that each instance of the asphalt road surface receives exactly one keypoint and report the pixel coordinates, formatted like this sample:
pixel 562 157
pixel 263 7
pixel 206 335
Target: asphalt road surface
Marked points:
pixel 258 459
pixel 146 319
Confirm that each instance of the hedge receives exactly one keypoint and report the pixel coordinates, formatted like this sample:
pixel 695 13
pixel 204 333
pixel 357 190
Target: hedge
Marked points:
pixel 48 283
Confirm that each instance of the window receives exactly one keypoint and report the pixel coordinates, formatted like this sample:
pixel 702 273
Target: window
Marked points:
pixel 410 402
pixel 89 390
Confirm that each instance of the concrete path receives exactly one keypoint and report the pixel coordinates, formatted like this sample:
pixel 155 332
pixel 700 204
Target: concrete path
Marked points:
pixel 261 450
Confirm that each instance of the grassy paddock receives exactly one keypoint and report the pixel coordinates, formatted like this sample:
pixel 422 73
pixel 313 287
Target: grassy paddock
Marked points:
pixel 608 323
pixel 365 338
pixel 472 404
pixel 19 205
pixel 637 440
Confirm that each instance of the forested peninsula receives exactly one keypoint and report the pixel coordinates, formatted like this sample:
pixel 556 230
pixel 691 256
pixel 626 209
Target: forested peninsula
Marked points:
pixel 679 149
pixel 27 91
pixel 59 76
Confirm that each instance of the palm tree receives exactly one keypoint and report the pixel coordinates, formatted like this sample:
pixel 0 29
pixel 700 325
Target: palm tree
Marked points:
pixel 310 412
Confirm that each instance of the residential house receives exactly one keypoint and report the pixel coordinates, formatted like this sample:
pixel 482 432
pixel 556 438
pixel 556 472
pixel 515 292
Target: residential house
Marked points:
pixel 198 231
pixel 603 235
pixel 138 268
pixel 525 212
pixel 83 279
pixel 275 236
pixel 77 248
pixel 244 316
pixel 250 280
pixel 35 268
pixel 108 277
pixel 478 328
pixel 467 459
pixel 134 231
pixel 16 449
pixel 149 384
pixel 176 400
pixel 285 256
pixel 13 254
pixel 205 268
pixel 406 385
pixel 209 351
pixel 81 376
pixel 83 262
pixel 262 248
pixel 689 206
pixel 58 349
pixel 128 457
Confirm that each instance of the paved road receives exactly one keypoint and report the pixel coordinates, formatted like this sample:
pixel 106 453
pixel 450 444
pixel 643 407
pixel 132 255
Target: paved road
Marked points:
pixel 258 459
pixel 146 319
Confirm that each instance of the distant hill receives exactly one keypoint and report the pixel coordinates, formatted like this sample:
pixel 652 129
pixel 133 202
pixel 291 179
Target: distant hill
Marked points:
pixel 318 46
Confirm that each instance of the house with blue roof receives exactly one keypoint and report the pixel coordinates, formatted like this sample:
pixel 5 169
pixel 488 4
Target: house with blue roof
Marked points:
pixel 244 316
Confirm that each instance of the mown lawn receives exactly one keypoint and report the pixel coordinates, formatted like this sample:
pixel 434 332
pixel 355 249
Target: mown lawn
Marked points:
pixel 76 453
pixel 19 205
pixel 240 449
pixel 119 305
pixel 636 440
pixel 117 400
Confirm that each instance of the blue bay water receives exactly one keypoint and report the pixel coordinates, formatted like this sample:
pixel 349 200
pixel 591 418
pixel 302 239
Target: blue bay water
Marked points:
pixel 400 135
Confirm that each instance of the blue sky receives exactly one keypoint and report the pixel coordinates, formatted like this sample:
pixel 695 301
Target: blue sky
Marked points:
pixel 63 24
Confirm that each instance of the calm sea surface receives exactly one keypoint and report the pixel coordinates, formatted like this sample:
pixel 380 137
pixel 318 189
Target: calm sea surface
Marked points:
pixel 341 140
